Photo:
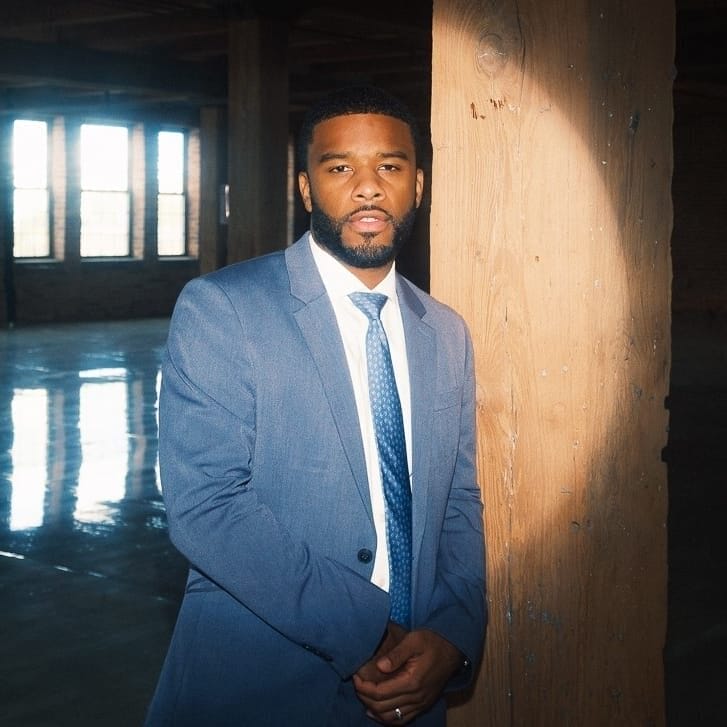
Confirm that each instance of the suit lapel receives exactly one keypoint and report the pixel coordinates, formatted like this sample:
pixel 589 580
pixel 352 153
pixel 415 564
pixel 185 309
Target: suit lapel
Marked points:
pixel 318 326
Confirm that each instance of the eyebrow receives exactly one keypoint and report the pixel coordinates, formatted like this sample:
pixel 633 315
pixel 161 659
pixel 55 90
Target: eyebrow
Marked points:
pixel 342 155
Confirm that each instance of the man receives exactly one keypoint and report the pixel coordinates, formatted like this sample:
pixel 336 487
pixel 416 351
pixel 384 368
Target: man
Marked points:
pixel 300 610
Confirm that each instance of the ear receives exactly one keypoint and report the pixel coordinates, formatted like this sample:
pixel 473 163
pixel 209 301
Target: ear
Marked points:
pixel 304 187
pixel 419 186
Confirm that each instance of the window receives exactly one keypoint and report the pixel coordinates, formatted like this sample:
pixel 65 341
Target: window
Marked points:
pixel 31 220
pixel 171 201
pixel 109 175
pixel 104 191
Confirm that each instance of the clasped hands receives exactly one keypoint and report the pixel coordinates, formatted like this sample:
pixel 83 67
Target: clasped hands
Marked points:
pixel 406 675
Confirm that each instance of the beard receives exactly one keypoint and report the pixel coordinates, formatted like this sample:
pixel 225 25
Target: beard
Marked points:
pixel 369 253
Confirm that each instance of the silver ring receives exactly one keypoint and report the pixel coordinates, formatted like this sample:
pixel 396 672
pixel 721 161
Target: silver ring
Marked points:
pixel 398 714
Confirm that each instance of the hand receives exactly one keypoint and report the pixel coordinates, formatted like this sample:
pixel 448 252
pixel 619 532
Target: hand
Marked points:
pixel 407 673
pixel 369 671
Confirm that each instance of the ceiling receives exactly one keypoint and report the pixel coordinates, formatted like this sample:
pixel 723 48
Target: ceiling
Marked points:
pixel 168 57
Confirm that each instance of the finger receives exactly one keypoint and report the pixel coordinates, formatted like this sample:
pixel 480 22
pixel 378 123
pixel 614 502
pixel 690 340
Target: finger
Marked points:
pixel 386 711
pixel 396 657
pixel 401 715
pixel 396 716
pixel 371 673
pixel 388 689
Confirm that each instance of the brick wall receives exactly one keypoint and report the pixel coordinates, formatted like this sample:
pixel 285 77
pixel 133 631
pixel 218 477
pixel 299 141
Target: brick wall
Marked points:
pixel 99 290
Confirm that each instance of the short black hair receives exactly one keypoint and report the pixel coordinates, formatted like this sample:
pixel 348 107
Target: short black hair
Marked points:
pixel 362 99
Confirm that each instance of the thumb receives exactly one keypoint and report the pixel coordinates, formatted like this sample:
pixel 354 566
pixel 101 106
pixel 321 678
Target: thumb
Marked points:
pixel 394 659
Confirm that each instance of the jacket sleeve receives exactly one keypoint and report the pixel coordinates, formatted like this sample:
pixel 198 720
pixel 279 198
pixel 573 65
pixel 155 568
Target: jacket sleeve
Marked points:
pixel 458 608
pixel 216 520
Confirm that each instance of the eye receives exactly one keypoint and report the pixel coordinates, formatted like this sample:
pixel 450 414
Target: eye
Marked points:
pixel 339 169
pixel 389 167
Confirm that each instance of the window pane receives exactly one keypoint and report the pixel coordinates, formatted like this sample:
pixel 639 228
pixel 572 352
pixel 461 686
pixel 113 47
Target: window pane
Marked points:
pixel 104 224
pixel 31 230
pixel 170 231
pixel 171 162
pixel 104 157
pixel 30 154
pixel 31 220
pixel 104 199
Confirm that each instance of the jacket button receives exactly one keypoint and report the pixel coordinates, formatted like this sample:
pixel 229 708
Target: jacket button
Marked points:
pixel 365 555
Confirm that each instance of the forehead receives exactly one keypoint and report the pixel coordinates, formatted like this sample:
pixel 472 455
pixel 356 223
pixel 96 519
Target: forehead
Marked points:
pixel 354 131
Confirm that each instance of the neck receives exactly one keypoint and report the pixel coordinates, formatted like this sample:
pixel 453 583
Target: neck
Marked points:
pixel 371 277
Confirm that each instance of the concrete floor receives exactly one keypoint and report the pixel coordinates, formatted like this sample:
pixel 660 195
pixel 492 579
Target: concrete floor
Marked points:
pixel 89 583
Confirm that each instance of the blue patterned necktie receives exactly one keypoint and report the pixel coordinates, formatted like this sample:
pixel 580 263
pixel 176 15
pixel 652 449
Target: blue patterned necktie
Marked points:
pixel 389 427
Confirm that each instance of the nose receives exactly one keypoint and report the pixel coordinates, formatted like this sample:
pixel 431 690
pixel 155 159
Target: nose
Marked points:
pixel 367 186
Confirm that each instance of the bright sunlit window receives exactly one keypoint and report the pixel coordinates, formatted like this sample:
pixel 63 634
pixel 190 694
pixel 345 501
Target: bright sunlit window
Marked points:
pixel 107 172
pixel 104 191
pixel 31 220
pixel 172 208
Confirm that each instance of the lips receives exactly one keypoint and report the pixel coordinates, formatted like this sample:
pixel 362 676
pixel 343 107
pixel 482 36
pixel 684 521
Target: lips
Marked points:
pixel 369 221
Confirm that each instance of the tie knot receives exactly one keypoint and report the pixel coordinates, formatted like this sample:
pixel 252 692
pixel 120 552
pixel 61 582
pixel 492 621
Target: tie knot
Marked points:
pixel 369 303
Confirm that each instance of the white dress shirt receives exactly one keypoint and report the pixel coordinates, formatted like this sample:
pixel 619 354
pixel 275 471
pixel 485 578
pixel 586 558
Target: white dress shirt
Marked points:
pixel 353 324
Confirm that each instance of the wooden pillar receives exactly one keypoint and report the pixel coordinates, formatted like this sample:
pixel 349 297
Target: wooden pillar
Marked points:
pixel 212 222
pixel 550 229
pixel 258 137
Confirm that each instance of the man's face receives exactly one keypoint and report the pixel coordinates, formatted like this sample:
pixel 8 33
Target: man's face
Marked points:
pixel 362 187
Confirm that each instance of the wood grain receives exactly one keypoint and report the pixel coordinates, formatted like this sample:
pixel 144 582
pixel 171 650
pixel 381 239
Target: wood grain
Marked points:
pixel 551 219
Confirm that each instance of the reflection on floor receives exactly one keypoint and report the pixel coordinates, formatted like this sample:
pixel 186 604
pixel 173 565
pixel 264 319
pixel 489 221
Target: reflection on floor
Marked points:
pixel 89 584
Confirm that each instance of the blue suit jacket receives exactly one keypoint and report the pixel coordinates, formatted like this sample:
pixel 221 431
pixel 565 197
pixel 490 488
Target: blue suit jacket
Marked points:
pixel 265 486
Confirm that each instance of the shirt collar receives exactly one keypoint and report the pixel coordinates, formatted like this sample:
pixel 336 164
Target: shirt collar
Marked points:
pixel 339 281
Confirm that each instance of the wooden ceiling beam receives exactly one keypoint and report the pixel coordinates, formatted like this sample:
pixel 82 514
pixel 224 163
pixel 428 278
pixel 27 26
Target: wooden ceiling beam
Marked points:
pixel 21 15
pixel 66 65
pixel 151 30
